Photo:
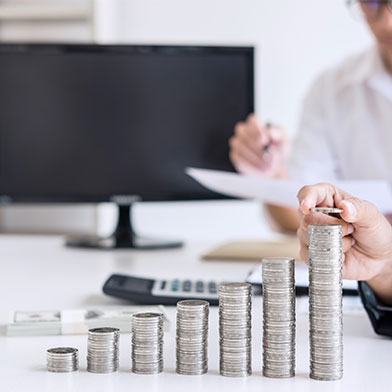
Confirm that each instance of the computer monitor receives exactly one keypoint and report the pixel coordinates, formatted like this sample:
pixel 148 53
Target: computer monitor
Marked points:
pixel 90 123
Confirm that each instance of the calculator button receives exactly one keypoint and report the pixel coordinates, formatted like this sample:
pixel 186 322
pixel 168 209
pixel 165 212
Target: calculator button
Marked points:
pixel 212 287
pixel 199 286
pixel 163 284
pixel 187 285
pixel 175 285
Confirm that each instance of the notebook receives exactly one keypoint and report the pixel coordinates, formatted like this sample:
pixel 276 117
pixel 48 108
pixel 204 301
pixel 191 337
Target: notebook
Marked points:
pixel 254 250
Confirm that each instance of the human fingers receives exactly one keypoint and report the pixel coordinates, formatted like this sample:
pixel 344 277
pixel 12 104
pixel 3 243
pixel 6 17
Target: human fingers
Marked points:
pixel 322 194
pixel 347 243
pixel 361 213
pixel 256 128
pixel 253 140
pixel 276 134
pixel 242 156
pixel 318 218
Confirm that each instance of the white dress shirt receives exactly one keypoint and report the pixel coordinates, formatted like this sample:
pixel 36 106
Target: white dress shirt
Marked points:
pixel 346 126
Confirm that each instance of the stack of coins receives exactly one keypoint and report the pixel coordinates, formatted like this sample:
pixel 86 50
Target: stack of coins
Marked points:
pixel 62 359
pixel 325 302
pixel 102 350
pixel 235 333
pixel 278 317
pixel 192 337
pixel 147 343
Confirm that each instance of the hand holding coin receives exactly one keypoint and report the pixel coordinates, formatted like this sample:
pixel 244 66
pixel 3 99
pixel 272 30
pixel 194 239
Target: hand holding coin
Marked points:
pixel 367 235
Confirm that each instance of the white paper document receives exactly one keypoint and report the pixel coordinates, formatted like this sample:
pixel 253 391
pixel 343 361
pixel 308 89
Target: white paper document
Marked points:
pixel 284 192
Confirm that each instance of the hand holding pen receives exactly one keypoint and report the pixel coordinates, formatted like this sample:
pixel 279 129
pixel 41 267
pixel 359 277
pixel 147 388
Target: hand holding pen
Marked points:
pixel 259 149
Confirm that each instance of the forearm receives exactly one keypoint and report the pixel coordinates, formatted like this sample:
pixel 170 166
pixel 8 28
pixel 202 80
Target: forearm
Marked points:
pixel 287 218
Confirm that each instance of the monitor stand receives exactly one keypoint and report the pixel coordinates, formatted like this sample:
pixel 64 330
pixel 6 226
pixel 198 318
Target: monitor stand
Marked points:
pixel 123 237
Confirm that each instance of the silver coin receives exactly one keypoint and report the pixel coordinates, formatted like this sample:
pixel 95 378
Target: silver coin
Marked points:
pixel 235 329
pixel 62 359
pixel 192 337
pixel 327 210
pixel 102 350
pixel 325 302
pixel 278 317
pixel 147 343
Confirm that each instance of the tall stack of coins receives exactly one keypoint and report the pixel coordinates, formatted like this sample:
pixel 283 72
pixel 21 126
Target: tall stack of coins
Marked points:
pixel 62 359
pixel 325 302
pixel 102 350
pixel 147 343
pixel 278 317
pixel 235 333
pixel 192 337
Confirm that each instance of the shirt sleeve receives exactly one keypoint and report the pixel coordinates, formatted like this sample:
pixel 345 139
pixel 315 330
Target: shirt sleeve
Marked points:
pixel 380 315
pixel 312 159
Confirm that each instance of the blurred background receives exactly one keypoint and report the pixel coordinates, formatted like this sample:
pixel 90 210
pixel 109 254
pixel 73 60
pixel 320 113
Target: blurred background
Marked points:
pixel 294 40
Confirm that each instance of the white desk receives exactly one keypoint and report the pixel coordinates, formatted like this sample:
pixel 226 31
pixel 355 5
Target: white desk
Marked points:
pixel 39 273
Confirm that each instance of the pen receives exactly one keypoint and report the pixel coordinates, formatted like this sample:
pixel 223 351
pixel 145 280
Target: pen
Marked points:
pixel 266 154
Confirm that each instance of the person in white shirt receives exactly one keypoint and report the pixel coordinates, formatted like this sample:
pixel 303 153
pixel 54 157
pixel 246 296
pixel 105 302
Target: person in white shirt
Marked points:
pixel 346 126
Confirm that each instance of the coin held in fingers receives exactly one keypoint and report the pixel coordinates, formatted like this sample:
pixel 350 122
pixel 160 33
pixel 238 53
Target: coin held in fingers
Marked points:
pixel 327 210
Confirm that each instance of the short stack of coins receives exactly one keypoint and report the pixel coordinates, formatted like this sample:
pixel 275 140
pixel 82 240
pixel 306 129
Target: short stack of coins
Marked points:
pixel 62 359
pixel 235 329
pixel 192 337
pixel 278 317
pixel 147 343
pixel 325 302
pixel 102 350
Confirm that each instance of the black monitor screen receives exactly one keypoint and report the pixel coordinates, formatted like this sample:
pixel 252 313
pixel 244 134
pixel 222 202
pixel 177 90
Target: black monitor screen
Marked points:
pixel 85 122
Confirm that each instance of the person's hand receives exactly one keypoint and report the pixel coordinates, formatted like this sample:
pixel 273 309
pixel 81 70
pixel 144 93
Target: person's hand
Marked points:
pixel 367 235
pixel 258 149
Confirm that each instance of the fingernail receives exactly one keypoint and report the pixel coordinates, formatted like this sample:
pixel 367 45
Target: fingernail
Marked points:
pixel 350 229
pixel 350 208
pixel 352 242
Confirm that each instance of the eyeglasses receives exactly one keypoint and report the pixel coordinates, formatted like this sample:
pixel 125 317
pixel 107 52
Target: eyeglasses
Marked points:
pixel 370 9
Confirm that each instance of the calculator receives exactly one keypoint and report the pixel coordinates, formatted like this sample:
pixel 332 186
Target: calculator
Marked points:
pixel 160 291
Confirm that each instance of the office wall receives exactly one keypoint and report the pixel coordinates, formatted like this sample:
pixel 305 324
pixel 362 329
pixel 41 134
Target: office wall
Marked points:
pixel 295 39
pixel 47 21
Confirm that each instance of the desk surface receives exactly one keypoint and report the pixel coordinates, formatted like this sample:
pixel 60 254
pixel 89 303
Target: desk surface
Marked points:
pixel 39 273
